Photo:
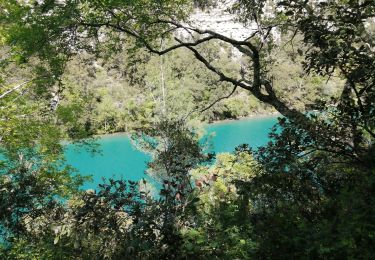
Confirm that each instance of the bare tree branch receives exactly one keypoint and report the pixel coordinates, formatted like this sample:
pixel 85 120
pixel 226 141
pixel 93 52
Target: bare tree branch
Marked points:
pixel 6 93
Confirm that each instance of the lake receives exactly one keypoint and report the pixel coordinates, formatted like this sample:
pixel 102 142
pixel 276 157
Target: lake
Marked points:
pixel 118 157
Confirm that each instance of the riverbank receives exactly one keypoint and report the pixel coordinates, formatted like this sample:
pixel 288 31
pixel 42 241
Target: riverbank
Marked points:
pixel 252 116
pixel 215 122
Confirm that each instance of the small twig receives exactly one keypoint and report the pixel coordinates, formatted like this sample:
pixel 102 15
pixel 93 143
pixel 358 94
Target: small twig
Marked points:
pixel 291 40
pixel 212 104
pixel 219 99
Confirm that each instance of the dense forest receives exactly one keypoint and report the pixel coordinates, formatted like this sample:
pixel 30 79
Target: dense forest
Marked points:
pixel 71 70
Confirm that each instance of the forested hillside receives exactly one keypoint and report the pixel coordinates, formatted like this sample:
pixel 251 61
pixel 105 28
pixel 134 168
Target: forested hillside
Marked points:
pixel 73 69
pixel 127 91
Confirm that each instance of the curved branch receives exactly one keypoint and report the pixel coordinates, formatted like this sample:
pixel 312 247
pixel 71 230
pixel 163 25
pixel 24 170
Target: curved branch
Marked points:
pixel 222 76
pixel 215 34
pixel 255 89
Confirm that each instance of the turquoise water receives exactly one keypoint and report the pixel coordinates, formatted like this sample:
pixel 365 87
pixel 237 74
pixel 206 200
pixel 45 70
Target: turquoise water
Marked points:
pixel 119 158
pixel 228 135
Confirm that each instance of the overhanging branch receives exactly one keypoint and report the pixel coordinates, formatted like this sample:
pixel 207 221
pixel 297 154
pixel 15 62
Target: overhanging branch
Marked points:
pixel 245 47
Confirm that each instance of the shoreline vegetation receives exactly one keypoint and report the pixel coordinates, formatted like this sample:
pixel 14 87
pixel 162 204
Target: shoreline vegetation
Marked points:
pixel 248 117
pixel 214 122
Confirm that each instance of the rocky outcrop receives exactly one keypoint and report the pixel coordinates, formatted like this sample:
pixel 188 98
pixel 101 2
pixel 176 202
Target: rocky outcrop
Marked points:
pixel 218 19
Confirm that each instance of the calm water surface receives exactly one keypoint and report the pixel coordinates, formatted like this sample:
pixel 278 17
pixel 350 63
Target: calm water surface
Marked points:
pixel 120 159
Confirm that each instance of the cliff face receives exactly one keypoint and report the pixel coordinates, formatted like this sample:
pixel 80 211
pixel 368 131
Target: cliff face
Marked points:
pixel 218 19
